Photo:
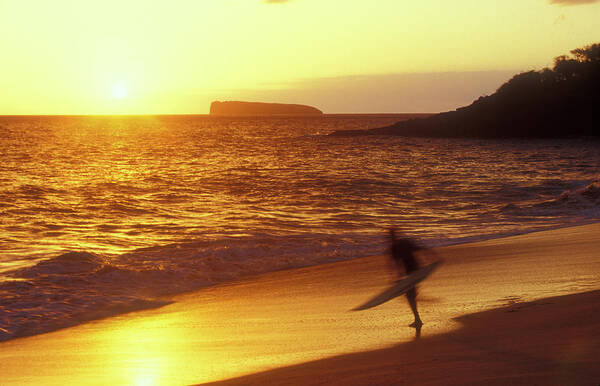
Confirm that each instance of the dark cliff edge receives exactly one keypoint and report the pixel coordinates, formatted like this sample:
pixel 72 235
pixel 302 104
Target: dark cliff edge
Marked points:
pixel 237 108
pixel 558 102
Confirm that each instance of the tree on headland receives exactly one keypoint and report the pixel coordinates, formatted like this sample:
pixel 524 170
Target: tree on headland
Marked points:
pixel 583 64
pixel 553 102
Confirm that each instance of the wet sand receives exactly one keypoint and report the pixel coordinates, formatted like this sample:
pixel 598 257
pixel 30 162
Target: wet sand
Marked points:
pixel 550 341
pixel 522 309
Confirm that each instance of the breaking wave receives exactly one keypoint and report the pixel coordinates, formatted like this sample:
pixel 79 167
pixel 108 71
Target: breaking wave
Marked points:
pixel 80 286
pixel 581 202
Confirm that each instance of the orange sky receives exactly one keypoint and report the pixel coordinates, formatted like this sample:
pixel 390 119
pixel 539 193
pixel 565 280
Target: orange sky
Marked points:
pixel 114 56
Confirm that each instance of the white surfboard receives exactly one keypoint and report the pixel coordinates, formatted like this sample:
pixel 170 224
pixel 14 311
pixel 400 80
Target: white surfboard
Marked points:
pixel 400 287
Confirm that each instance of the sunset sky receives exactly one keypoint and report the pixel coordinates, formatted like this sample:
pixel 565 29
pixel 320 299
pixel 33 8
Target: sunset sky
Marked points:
pixel 145 57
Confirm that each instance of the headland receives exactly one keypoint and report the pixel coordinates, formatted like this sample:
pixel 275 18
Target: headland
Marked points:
pixel 550 103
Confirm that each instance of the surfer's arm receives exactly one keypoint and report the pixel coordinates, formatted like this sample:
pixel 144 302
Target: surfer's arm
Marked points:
pixel 397 267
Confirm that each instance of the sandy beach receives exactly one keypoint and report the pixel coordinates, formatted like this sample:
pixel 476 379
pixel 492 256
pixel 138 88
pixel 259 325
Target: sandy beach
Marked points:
pixel 516 310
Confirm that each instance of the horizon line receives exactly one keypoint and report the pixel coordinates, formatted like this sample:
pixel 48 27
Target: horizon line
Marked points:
pixel 208 114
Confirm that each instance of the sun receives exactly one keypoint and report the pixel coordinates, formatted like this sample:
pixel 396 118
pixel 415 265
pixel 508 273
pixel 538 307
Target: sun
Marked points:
pixel 119 91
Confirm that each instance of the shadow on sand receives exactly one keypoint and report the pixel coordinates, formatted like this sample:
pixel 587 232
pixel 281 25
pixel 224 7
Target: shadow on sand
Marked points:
pixel 552 341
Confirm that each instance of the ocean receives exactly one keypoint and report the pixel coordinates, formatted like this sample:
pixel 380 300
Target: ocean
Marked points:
pixel 104 215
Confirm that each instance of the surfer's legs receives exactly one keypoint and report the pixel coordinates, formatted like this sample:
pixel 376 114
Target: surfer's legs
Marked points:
pixel 411 295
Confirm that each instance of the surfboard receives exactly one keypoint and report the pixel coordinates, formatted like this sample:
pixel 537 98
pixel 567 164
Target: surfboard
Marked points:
pixel 400 287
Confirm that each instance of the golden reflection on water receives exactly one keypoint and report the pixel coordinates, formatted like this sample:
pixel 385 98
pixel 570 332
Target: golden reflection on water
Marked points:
pixel 111 184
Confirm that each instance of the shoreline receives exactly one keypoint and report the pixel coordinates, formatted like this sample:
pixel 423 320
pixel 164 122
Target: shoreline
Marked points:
pixel 157 302
pixel 287 318
pixel 493 236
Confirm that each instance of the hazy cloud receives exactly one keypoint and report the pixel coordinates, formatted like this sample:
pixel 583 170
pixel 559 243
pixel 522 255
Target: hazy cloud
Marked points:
pixel 572 2
pixel 390 93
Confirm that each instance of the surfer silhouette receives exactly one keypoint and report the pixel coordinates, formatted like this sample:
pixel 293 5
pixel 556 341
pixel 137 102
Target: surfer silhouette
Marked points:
pixel 403 254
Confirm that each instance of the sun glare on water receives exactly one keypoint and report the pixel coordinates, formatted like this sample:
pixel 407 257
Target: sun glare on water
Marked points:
pixel 119 92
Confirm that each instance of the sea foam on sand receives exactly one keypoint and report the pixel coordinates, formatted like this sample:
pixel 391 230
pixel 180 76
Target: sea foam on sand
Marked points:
pixel 522 309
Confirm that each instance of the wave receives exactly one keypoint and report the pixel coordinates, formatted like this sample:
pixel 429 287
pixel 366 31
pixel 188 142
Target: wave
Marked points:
pixel 586 197
pixel 76 287
pixel 582 201
pixel 67 290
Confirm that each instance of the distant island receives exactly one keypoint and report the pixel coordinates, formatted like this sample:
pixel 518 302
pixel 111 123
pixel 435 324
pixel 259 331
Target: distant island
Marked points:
pixel 559 102
pixel 237 108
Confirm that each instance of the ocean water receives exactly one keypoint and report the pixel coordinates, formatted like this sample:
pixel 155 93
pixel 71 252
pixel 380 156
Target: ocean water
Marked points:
pixel 103 215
